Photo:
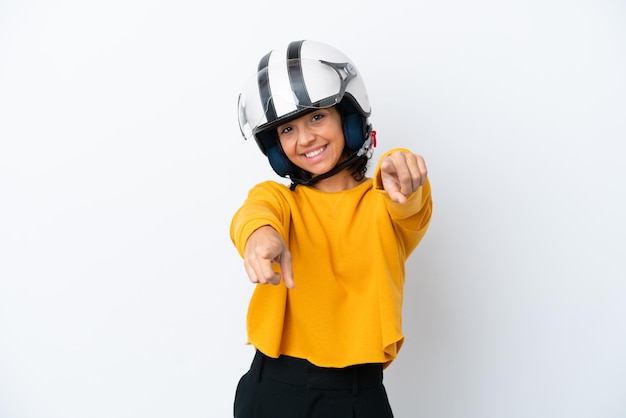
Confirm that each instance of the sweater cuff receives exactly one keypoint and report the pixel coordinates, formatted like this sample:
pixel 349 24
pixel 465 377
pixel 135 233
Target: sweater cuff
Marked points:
pixel 242 232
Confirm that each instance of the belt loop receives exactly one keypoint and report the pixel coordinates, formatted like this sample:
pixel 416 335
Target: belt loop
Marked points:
pixel 355 381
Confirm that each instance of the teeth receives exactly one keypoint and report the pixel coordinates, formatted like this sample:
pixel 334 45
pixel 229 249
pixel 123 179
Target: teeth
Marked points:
pixel 314 153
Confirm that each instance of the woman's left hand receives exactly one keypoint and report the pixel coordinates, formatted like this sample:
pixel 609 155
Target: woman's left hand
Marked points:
pixel 402 173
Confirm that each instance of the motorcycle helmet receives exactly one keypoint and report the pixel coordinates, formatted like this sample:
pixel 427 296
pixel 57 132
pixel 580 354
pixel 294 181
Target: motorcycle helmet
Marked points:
pixel 294 80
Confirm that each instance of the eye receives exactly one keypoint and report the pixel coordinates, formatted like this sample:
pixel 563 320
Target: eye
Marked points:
pixel 317 116
pixel 284 130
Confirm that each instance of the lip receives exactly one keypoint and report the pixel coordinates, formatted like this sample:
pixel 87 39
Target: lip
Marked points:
pixel 314 153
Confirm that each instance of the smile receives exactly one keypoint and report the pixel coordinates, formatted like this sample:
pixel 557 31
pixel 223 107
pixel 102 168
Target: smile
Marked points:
pixel 316 152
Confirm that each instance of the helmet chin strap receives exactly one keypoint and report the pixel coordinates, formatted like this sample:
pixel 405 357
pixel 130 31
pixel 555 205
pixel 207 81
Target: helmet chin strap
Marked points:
pixel 365 148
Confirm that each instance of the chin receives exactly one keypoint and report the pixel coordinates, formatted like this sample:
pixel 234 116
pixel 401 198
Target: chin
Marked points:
pixel 319 171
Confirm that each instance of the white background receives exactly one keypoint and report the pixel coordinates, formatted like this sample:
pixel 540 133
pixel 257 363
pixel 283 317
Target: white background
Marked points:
pixel 121 164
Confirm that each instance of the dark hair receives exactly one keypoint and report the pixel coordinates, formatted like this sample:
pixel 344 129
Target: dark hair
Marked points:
pixel 358 168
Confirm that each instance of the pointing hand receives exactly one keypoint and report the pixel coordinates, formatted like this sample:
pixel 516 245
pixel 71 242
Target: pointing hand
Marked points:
pixel 264 247
pixel 402 173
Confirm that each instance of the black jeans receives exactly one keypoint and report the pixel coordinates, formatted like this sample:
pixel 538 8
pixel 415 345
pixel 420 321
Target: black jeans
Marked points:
pixel 288 387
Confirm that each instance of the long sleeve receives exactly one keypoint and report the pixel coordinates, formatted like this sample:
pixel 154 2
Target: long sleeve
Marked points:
pixel 348 258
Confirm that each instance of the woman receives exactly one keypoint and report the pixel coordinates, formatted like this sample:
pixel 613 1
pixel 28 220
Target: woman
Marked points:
pixel 336 239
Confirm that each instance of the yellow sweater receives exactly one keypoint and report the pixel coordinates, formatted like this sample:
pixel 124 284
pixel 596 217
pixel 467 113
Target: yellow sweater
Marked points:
pixel 348 257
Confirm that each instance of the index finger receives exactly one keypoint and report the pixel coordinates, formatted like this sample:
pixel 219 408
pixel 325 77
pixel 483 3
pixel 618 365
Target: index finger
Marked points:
pixel 405 168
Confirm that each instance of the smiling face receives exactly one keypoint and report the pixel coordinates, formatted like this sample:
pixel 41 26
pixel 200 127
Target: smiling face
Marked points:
pixel 314 142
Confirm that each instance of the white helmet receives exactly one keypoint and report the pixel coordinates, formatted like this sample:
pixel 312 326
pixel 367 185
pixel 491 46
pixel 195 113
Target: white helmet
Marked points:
pixel 294 80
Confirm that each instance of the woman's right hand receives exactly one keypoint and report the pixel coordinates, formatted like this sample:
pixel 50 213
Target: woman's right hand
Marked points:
pixel 264 247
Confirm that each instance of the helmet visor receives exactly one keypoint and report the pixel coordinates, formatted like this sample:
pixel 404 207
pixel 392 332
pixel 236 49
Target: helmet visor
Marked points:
pixel 285 90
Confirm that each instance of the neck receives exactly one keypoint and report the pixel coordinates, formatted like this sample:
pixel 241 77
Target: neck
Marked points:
pixel 337 183
pixel 340 168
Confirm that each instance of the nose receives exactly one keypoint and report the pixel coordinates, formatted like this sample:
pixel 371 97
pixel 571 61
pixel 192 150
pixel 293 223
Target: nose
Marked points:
pixel 306 136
